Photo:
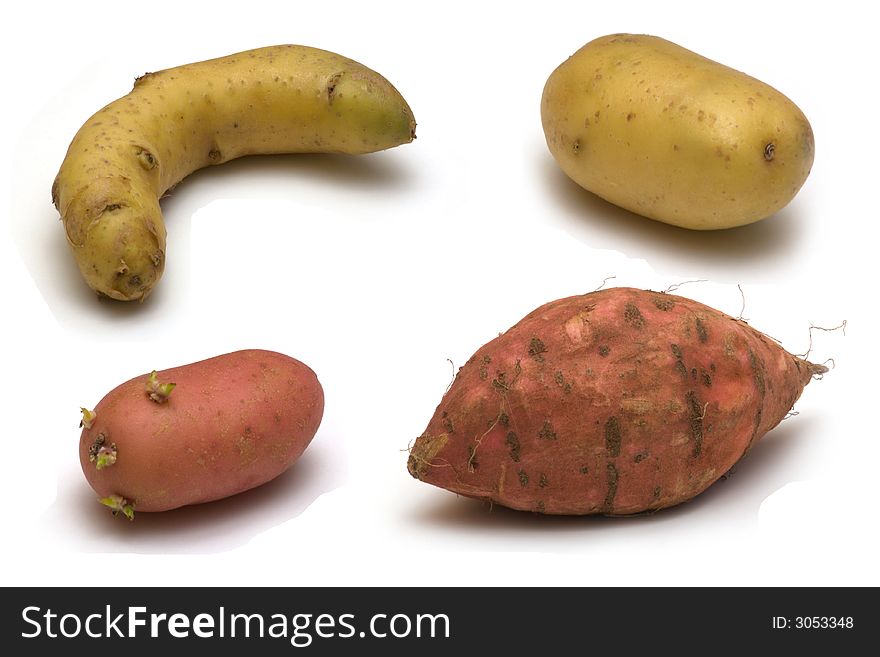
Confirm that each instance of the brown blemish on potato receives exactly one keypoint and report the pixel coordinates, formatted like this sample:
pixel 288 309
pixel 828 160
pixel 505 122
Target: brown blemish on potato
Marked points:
pixel 501 383
pixel 696 413
pixel 612 477
pixel 543 481
pixel 547 431
pixel 633 316
pixel 146 159
pixel 769 152
pixel 523 478
pixel 729 345
pixel 757 366
pixel 757 372
pixel 664 303
pixel 561 382
pixel 604 350
pixel 536 349
pixel 679 360
pixel 512 441
pixel 332 84
pixel 702 332
pixel 705 378
pixel 484 369
pixel 612 436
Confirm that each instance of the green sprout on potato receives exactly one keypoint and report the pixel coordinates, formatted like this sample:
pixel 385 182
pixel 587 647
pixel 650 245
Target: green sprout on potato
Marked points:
pixel 106 456
pixel 87 418
pixel 118 504
pixel 158 392
pixel 101 454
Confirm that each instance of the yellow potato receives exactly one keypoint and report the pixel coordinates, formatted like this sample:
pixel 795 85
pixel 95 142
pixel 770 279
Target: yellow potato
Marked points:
pixel 279 99
pixel 668 134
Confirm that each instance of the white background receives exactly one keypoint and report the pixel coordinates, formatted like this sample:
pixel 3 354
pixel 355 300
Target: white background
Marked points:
pixel 386 272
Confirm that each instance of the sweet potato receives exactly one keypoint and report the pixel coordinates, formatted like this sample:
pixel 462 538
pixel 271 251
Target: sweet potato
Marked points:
pixel 199 432
pixel 615 402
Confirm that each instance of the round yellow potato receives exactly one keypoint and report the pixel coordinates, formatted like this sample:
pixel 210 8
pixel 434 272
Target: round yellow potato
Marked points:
pixel 670 135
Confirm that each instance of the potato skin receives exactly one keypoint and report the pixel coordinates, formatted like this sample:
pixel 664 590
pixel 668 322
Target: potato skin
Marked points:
pixel 278 99
pixel 615 402
pixel 674 136
pixel 231 423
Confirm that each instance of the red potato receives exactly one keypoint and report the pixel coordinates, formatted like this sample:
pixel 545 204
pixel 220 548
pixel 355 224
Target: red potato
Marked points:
pixel 199 432
pixel 616 402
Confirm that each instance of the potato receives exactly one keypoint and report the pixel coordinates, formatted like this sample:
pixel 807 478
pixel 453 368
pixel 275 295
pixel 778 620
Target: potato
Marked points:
pixel 671 135
pixel 199 432
pixel 280 99
pixel 615 402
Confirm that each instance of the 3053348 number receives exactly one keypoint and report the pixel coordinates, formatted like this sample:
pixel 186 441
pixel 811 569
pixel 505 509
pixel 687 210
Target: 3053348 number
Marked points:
pixel 823 622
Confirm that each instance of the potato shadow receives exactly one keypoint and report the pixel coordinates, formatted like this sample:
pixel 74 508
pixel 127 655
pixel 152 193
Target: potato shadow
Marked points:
pixel 210 528
pixel 735 499
pixel 759 247
pixel 255 175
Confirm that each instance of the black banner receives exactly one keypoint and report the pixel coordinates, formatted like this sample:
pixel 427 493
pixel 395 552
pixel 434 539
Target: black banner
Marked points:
pixel 433 621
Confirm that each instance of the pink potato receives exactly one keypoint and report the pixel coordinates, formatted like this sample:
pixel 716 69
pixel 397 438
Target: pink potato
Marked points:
pixel 199 432
pixel 616 402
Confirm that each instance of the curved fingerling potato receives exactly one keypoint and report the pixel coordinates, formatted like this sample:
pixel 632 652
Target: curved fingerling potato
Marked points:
pixel 199 432
pixel 674 136
pixel 279 99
